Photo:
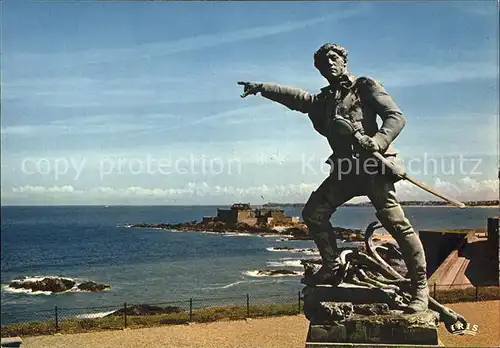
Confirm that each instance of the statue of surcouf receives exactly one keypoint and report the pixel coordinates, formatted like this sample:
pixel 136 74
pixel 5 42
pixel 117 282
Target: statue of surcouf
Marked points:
pixel 355 101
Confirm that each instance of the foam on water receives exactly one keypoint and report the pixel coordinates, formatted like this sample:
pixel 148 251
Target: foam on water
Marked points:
pixel 285 238
pixel 94 315
pixel 255 273
pixel 237 234
pixel 285 263
pixel 6 288
pixel 231 234
pixel 124 225
pixel 295 250
pixel 39 278
pixel 227 286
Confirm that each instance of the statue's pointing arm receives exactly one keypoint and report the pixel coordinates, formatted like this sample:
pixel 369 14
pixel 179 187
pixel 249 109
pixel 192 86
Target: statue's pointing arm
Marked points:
pixel 292 97
pixel 393 120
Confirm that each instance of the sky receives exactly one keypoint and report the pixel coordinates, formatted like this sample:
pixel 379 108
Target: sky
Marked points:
pixel 138 103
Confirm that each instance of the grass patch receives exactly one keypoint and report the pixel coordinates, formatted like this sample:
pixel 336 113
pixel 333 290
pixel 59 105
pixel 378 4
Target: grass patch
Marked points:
pixel 33 328
pixel 210 314
pixel 277 309
pixel 486 293
pixel 73 325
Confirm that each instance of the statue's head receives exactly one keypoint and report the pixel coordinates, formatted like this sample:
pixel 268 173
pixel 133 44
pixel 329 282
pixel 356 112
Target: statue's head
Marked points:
pixel 331 61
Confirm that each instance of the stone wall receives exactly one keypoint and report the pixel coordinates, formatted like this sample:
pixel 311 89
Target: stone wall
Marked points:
pixel 493 242
pixel 247 217
pixel 227 215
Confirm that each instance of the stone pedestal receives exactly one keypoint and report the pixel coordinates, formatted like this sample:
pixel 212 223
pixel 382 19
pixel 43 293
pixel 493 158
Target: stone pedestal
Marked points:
pixel 11 342
pixel 361 317
pixel 369 345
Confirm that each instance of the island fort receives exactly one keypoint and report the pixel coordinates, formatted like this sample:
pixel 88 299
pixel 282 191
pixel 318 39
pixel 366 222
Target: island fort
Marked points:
pixel 242 213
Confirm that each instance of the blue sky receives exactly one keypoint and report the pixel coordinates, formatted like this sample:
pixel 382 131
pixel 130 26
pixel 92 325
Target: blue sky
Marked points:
pixel 137 102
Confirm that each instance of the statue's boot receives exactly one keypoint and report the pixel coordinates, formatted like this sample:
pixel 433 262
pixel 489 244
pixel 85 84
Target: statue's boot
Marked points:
pixel 316 215
pixel 394 221
pixel 327 246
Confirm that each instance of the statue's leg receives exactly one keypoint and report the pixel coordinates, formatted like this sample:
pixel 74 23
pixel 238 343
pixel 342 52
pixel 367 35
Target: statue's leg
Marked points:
pixel 389 212
pixel 316 215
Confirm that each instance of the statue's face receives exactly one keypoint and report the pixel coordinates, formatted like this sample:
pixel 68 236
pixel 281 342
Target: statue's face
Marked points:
pixel 331 66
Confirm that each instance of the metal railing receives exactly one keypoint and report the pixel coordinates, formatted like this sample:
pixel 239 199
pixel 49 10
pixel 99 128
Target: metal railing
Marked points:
pixel 60 319
pixel 126 315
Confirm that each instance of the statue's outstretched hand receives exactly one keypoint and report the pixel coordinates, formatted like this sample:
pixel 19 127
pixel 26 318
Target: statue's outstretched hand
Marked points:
pixel 250 88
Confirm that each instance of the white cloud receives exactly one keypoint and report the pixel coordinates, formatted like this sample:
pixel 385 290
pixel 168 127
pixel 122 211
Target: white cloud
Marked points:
pixel 203 189
pixel 465 189
pixel 147 51
pixel 137 191
pixel 489 189
pixel 29 189
pixel 189 191
pixel 200 192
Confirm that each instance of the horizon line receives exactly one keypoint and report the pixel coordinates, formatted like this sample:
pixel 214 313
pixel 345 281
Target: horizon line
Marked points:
pixel 214 205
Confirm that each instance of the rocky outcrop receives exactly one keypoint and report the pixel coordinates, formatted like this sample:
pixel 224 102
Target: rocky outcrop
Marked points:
pixel 55 284
pixel 218 226
pixel 297 230
pixel 92 286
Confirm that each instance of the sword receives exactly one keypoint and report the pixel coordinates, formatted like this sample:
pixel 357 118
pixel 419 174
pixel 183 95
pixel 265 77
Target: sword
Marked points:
pixel 346 127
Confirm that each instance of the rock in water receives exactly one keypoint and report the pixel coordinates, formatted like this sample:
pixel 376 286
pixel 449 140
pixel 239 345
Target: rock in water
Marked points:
pixel 92 286
pixel 50 284
pixel 55 284
pixel 276 272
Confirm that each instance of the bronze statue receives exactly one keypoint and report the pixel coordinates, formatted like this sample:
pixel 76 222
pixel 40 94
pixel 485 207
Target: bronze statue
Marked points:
pixel 355 101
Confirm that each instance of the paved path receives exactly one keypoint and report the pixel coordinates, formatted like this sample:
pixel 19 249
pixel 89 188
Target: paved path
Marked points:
pixel 277 332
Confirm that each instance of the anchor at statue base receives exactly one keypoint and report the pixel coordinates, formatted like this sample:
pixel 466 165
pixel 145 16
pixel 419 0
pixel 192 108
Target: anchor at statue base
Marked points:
pixel 367 304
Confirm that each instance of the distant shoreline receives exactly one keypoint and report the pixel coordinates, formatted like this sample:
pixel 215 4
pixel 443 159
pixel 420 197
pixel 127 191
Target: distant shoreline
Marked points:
pixel 440 204
pixel 479 204
pixel 448 206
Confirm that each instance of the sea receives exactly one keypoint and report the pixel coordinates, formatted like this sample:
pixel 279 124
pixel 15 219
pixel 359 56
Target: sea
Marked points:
pixel 152 266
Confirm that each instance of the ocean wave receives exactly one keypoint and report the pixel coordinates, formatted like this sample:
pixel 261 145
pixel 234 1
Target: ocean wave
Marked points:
pixel 284 238
pixel 285 263
pixel 226 286
pixel 238 234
